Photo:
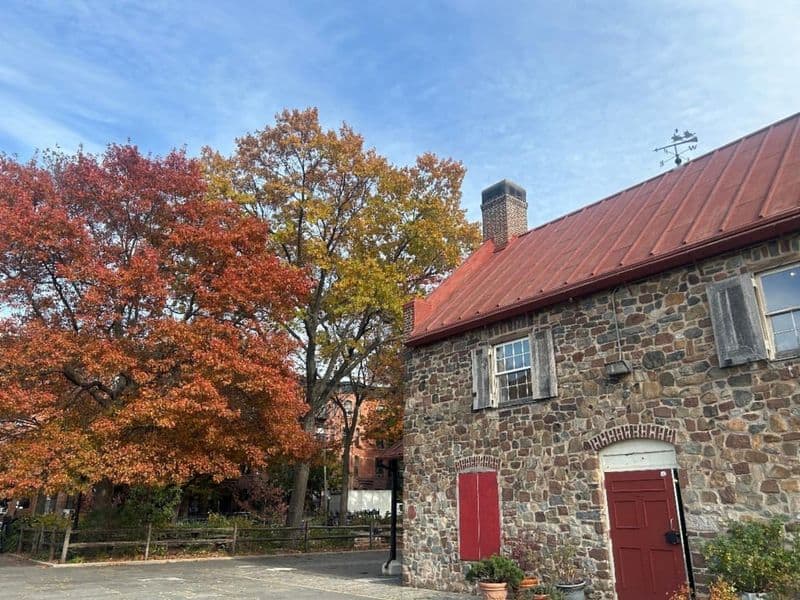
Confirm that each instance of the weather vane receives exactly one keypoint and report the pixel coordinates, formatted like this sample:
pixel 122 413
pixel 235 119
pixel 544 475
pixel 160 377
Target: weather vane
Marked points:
pixel 674 151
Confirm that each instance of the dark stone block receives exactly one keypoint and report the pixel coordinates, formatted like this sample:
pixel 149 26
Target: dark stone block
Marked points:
pixel 740 380
pixel 653 360
pixel 742 398
pixel 737 440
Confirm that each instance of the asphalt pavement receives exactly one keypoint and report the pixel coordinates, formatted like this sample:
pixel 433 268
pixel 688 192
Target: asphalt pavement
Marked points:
pixel 328 576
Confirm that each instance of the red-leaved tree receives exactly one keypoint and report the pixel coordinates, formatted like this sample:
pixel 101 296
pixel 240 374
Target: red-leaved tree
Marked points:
pixel 140 336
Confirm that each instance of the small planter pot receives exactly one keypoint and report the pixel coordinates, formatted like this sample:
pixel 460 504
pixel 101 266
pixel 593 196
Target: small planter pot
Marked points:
pixel 528 583
pixel 573 591
pixel 753 596
pixel 493 591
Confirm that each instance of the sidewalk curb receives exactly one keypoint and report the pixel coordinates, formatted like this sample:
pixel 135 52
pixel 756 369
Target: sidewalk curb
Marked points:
pixel 165 561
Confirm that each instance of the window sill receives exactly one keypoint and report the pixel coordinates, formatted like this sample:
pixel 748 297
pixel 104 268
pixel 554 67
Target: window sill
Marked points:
pixel 786 355
pixel 513 403
pixel 510 404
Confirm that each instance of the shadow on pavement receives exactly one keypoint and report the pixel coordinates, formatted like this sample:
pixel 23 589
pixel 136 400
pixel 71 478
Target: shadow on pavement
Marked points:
pixel 353 565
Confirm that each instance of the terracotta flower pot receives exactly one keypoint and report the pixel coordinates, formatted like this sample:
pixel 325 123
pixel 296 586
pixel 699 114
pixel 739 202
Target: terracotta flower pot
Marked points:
pixel 493 591
pixel 526 584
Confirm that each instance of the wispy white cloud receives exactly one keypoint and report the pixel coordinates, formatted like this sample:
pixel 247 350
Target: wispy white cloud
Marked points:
pixel 32 129
pixel 567 99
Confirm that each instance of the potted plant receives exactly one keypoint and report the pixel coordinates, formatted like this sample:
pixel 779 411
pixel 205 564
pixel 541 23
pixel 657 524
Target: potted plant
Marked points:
pixel 757 558
pixel 719 590
pixel 495 575
pixel 541 592
pixel 525 550
pixel 566 570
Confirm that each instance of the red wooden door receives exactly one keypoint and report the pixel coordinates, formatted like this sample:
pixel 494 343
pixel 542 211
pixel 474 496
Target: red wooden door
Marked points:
pixel 478 515
pixel 642 509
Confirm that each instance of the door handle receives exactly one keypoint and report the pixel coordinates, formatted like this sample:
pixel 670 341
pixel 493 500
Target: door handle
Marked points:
pixel 673 538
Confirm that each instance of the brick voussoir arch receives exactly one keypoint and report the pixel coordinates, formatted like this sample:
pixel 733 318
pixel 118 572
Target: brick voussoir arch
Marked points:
pixel 472 463
pixel 630 432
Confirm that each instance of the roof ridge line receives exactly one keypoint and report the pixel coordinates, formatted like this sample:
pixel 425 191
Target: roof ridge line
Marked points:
pixel 631 187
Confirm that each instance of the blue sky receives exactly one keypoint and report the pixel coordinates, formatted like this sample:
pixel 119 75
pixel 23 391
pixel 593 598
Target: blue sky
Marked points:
pixel 566 98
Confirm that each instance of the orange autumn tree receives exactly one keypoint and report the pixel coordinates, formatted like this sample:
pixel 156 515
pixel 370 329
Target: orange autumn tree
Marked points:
pixel 140 327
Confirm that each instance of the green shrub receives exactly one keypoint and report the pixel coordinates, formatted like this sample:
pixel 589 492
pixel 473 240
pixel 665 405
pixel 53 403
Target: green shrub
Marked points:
pixel 11 537
pixel 156 505
pixel 243 521
pixel 49 521
pixel 552 592
pixel 756 556
pixel 135 506
pixel 496 569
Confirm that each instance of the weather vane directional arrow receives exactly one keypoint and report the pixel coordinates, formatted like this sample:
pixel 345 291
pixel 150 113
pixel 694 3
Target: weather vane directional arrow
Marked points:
pixel 681 144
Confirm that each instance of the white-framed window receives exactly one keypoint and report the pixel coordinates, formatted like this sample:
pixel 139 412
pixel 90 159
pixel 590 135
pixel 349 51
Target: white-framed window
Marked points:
pixel 780 299
pixel 508 371
pixel 512 370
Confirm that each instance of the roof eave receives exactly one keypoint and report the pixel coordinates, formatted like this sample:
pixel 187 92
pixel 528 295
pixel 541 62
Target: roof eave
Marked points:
pixel 773 227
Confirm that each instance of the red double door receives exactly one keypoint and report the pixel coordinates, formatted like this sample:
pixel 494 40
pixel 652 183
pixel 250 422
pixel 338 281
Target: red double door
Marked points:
pixel 478 515
pixel 645 534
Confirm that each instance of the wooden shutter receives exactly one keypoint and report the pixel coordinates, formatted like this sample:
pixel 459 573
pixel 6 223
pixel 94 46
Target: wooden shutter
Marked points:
pixel 488 514
pixel 468 531
pixel 736 321
pixel 481 373
pixel 543 365
pixel 478 515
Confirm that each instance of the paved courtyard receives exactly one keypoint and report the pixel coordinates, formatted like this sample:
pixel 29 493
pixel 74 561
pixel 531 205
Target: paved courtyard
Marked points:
pixel 343 576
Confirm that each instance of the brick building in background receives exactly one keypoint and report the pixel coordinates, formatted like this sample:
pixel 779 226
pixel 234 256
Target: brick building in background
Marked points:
pixel 627 370
pixel 366 472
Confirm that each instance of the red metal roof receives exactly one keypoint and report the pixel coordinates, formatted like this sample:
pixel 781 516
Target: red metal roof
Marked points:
pixel 739 194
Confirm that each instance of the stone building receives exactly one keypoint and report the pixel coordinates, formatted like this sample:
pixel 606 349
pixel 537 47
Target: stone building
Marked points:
pixel 623 372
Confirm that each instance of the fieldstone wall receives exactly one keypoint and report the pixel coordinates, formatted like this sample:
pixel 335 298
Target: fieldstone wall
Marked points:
pixel 736 430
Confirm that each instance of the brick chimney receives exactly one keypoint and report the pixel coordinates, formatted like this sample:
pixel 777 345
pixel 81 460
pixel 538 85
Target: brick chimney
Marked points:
pixel 505 212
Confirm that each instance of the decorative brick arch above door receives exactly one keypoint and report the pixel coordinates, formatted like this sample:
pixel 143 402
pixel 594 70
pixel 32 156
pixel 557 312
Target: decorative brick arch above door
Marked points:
pixel 622 433
pixel 477 463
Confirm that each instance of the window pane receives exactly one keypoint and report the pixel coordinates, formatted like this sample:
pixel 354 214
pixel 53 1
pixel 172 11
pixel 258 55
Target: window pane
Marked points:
pixel 503 389
pixel 782 289
pixel 782 322
pixel 515 385
pixel 786 341
pixel 498 358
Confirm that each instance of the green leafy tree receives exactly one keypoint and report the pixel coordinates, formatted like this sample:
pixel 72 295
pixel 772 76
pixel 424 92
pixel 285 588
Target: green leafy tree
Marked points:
pixel 756 556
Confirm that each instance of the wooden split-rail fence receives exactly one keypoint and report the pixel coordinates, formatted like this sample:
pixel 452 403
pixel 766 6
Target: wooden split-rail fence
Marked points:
pixel 60 544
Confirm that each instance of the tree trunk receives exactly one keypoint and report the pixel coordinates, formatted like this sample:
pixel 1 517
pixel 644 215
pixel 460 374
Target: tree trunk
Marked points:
pixel 345 480
pixel 102 495
pixel 297 503
pixel 294 515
